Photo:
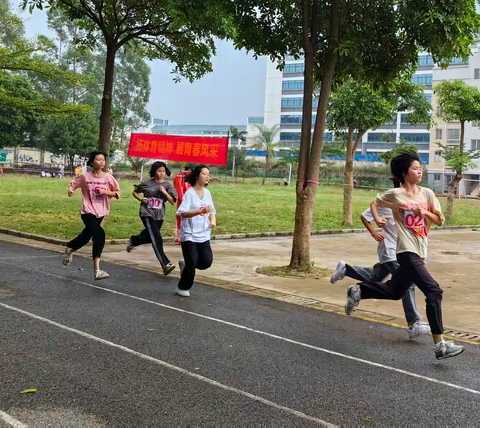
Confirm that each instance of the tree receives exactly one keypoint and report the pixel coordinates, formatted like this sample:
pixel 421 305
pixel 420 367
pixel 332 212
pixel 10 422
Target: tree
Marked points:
pixel 137 163
pixel 239 156
pixel 237 135
pixel 376 40
pixel 457 101
pixel 70 136
pixel 356 107
pixel 179 31
pixel 398 149
pixel 265 141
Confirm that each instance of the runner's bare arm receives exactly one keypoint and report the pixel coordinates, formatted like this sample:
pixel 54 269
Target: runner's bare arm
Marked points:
pixel 379 220
pixel 193 213
pixel 139 198
pixel 379 237
pixel 434 218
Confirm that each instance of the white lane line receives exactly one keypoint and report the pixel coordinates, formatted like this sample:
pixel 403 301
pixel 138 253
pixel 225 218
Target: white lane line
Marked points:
pixel 263 333
pixel 172 367
pixel 11 421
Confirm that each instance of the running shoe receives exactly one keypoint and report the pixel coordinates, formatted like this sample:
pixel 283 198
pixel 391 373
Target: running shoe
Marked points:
pixel 100 274
pixel 68 256
pixel 167 269
pixel 130 246
pixel 447 350
pixel 183 293
pixel 339 273
pixel 418 329
pixel 353 299
pixel 181 265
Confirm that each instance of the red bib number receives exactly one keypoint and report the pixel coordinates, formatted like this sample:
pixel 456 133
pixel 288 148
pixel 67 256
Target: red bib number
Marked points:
pixel 413 221
pixel 155 203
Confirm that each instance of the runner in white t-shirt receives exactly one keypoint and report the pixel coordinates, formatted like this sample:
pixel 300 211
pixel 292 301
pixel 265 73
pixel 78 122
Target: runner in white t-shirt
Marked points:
pixel 198 219
pixel 414 208
pixel 387 246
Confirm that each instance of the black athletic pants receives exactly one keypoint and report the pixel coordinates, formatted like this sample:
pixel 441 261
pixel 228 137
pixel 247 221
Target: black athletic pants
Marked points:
pixel 152 235
pixel 412 270
pixel 197 255
pixel 94 231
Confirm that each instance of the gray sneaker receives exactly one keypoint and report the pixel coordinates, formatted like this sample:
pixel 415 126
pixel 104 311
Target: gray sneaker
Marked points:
pixel 67 257
pixel 353 299
pixel 339 273
pixel 167 269
pixel 447 350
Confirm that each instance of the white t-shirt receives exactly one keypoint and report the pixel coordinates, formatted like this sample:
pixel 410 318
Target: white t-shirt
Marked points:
pixel 195 229
pixel 387 249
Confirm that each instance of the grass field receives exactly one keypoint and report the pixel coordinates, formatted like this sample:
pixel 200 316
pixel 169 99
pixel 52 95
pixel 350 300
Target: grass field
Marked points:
pixel 41 206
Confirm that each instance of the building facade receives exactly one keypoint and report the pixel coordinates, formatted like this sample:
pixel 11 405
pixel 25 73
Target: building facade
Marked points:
pixel 284 101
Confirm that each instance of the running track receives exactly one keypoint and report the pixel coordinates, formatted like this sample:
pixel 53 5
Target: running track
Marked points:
pixel 127 351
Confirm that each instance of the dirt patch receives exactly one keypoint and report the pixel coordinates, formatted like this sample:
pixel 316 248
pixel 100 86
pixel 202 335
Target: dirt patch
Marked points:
pixel 313 273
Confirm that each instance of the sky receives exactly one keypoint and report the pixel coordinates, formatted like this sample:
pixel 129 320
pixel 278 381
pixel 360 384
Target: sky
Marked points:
pixel 234 90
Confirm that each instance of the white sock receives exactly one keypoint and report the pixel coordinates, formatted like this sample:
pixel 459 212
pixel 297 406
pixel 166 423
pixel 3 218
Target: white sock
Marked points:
pixel 438 345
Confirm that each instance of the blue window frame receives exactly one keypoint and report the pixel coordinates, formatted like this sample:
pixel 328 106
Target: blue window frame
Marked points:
pixel 425 60
pixel 292 85
pixel 380 137
pixel 294 68
pixel 416 138
pixel 296 102
pixel 423 79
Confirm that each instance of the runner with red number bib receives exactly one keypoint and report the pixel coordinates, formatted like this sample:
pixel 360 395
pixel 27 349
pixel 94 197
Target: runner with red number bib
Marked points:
pixel 414 208
pixel 156 192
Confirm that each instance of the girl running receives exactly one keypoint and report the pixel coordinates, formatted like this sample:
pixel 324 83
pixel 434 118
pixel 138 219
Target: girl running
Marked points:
pixel 414 208
pixel 198 220
pixel 98 188
pixel 156 192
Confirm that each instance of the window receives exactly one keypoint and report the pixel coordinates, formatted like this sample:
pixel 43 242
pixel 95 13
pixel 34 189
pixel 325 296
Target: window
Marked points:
pixel 294 68
pixel 423 79
pixel 295 119
pixel 428 97
pixel 438 157
pixel 438 134
pixel 476 73
pixel 475 145
pixel 296 102
pixel 458 61
pixel 425 60
pixel 292 85
pixel 290 136
pixel 453 136
pixel 416 138
pixel 437 177
pixel 381 137
pixel 255 120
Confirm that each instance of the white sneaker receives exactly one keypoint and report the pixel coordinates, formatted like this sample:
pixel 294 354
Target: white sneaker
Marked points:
pixel 339 273
pixel 68 256
pixel 183 293
pixel 418 329
pixel 100 274
pixel 181 265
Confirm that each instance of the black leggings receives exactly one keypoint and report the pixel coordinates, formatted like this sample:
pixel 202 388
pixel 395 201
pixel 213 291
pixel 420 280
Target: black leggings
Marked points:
pixel 94 231
pixel 151 234
pixel 412 270
pixel 197 255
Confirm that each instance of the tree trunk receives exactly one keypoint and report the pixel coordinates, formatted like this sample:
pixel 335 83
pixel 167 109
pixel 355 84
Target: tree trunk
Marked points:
pixel 106 114
pixel 310 155
pixel 458 176
pixel 266 169
pixel 348 185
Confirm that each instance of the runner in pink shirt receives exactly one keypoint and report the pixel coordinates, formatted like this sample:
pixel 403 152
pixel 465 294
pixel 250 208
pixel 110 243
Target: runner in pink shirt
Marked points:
pixel 97 188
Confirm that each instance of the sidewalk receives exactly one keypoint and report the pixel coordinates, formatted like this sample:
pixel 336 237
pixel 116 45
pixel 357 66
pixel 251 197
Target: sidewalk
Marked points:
pixel 453 262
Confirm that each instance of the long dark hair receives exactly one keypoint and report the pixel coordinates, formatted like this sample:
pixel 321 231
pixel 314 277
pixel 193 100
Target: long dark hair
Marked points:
pixel 400 164
pixel 192 178
pixel 92 155
pixel 156 165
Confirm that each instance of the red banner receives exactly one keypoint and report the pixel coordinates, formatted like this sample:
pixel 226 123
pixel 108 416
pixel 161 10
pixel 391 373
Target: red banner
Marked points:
pixel 207 150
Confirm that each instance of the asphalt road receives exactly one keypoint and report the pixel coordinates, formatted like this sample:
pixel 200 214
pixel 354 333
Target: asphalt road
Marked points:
pixel 126 351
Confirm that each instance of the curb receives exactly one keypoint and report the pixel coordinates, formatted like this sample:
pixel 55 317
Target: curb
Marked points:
pixel 124 241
